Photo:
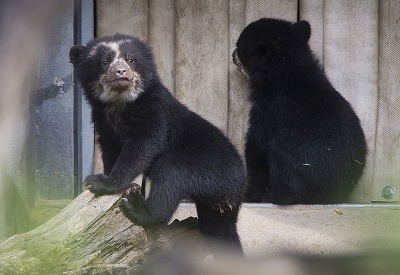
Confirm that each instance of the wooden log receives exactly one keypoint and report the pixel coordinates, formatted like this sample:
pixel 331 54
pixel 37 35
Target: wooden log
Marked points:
pixel 90 235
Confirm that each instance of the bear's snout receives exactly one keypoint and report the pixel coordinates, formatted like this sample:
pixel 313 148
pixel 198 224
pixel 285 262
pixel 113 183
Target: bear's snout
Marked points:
pixel 234 57
pixel 120 71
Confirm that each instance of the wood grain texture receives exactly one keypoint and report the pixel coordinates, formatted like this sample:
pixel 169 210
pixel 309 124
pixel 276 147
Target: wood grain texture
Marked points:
pixel 202 58
pixel 285 9
pixel 81 235
pixel 351 63
pixel 387 150
pixel 161 26
pixel 313 12
pixel 238 106
pixel 118 16
pixel 92 236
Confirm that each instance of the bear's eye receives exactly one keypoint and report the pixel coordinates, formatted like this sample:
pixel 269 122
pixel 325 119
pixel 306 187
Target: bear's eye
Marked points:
pixel 130 60
pixel 104 62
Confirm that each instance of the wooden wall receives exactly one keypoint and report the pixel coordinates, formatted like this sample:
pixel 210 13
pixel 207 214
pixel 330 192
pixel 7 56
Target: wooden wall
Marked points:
pixel 357 42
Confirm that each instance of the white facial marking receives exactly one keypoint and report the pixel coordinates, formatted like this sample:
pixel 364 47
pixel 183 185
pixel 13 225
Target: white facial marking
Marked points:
pixel 114 46
pixel 104 90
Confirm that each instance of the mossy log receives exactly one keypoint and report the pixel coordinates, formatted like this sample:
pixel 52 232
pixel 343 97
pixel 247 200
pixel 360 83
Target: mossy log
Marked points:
pixel 89 236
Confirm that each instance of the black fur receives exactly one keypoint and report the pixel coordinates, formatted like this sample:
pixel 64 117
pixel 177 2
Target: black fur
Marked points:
pixel 183 155
pixel 304 142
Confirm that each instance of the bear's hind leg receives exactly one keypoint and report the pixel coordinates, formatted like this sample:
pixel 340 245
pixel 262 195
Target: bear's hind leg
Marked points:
pixel 286 184
pixel 258 173
pixel 218 225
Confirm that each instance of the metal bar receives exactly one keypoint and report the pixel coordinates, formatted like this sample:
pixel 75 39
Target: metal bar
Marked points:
pixel 83 128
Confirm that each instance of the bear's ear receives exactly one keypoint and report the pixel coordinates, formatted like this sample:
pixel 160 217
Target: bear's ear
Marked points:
pixel 302 30
pixel 75 53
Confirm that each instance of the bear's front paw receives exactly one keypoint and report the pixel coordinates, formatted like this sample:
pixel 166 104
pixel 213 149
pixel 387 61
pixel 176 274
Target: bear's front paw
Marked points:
pixel 132 197
pixel 100 184
pixel 133 204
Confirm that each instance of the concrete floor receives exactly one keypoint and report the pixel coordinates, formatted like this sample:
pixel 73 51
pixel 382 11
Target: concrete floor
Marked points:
pixel 267 229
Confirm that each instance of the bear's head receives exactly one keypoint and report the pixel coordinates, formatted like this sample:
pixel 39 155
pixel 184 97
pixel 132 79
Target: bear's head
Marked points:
pixel 114 69
pixel 264 44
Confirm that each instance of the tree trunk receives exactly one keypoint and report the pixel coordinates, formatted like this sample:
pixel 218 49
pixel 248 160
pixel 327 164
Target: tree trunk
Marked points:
pixel 90 235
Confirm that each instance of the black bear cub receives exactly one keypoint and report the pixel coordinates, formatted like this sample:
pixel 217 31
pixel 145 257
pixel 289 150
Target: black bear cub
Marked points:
pixel 304 142
pixel 142 128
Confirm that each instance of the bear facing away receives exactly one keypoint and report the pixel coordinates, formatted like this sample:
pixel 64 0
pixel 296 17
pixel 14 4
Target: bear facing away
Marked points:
pixel 304 142
pixel 142 128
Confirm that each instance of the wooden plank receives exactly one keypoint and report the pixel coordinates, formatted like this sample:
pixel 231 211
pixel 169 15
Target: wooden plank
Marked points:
pixel 267 229
pixel 127 17
pixel 202 58
pixel 313 12
pixel 162 39
pixel 238 106
pixel 285 9
pixel 351 63
pixel 387 154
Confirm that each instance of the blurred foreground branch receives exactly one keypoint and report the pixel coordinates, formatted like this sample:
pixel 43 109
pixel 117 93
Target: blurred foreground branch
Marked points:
pixel 90 235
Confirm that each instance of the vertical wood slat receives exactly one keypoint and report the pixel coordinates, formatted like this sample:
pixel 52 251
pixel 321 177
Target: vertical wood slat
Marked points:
pixel 350 60
pixel 313 12
pixel 238 88
pixel 161 27
pixel 387 150
pixel 201 58
pixel 284 9
pixel 127 17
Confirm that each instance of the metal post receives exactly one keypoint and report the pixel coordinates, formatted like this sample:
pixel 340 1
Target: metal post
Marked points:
pixel 83 127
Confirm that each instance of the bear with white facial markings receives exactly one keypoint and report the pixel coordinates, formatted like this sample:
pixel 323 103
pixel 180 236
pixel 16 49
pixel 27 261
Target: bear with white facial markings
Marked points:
pixel 143 129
